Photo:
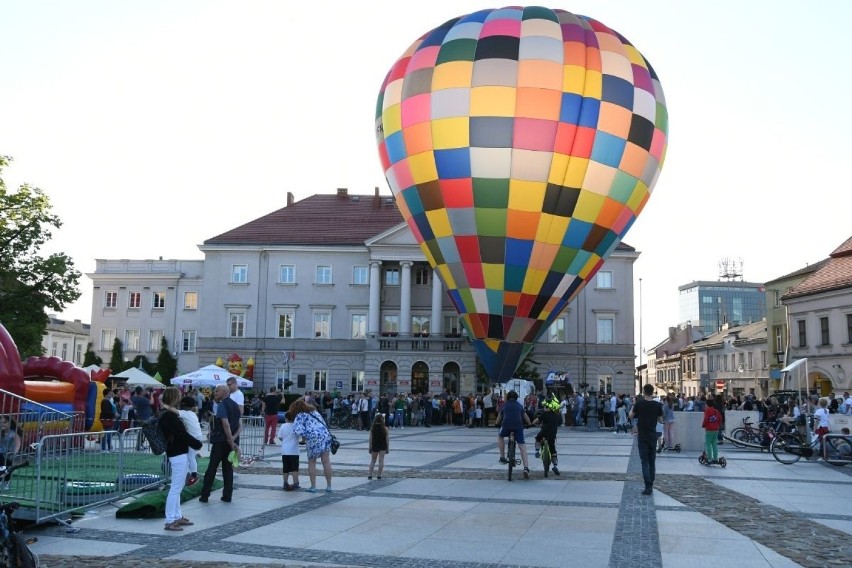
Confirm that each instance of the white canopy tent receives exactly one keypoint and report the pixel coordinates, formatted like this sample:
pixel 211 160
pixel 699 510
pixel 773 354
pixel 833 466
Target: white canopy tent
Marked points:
pixel 138 378
pixel 796 372
pixel 209 376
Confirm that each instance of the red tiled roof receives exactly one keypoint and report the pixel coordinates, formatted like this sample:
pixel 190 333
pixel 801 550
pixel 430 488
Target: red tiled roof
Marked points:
pixel 318 220
pixel 835 274
pixel 323 219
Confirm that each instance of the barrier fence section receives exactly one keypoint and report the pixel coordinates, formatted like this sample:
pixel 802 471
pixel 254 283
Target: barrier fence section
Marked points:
pixel 71 472
pixel 251 439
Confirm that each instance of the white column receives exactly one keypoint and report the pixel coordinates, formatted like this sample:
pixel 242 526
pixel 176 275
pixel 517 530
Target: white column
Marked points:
pixel 375 301
pixel 437 305
pixel 405 298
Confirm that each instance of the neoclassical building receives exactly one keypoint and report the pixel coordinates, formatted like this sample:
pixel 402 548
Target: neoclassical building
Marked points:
pixel 333 293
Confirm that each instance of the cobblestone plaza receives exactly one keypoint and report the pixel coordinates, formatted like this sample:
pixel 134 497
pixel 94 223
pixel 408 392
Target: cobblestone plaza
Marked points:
pixel 444 501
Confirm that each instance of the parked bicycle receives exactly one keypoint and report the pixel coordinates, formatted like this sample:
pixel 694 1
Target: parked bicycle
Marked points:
pixel 341 418
pixel 747 434
pixel 790 447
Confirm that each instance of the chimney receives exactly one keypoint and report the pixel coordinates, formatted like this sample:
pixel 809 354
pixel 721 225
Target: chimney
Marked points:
pixel 377 191
pixel 290 198
pixel 342 191
pixel 672 333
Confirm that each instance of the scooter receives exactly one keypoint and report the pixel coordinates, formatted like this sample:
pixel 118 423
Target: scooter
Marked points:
pixel 702 459
pixel 662 446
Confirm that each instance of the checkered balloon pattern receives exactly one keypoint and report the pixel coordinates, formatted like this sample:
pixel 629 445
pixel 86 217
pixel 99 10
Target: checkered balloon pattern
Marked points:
pixel 520 145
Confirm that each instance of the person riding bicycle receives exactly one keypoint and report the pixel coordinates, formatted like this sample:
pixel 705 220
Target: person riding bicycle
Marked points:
pixel 550 420
pixel 513 418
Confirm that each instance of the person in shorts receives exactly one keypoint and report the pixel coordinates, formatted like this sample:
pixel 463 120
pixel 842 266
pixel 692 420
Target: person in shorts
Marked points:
pixel 513 418
pixel 289 452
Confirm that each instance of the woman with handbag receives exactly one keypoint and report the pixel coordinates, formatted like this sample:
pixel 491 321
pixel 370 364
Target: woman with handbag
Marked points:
pixel 178 442
pixel 311 425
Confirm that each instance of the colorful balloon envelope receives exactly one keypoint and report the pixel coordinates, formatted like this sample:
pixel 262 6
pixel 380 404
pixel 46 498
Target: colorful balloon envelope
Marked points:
pixel 520 145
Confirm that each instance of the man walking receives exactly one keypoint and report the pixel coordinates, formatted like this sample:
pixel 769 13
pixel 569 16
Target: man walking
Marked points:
pixel 226 430
pixel 271 405
pixel 648 413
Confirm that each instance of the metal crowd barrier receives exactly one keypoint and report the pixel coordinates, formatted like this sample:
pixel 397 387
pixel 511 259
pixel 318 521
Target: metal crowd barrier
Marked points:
pixel 251 439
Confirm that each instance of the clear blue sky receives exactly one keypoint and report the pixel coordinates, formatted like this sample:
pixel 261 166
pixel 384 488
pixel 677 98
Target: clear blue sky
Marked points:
pixel 155 125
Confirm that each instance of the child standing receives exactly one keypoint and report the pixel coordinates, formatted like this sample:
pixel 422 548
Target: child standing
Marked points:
pixel 289 451
pixel 379 445
pixel 711 424
pixel 189 417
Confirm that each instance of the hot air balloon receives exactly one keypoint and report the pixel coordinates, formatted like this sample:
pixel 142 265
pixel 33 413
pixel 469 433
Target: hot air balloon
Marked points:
pixel 520 145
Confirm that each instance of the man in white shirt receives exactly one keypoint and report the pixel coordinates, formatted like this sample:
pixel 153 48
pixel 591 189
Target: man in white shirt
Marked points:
pixel 236 394
pixel 847 404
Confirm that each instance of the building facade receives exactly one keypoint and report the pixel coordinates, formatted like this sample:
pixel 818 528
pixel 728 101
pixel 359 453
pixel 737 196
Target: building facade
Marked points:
pixel 66 339
pixel 333 293
pixel 819 312
pixel 708 305
pixel 733 361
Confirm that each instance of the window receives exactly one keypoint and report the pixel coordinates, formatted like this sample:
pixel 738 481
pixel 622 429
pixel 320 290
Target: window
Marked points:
pixel 701 365
pixel 54 349
pixel 237 324
pixel 323 275
pixel 777 295
pixel 320 380
pixel 823 332
pixel 159 300
pixel 285 324
pixel 135 300
pixel 78 354
pixel 605 330
pixel 155 340
pixel 359 326
pixel 187 341
pixel 190 300
pixel 390 324
pixel 556 331
pixel 107 339
pixel 360 275
pixel 803 334
pixel 604 279
pixel 421 276
pixel 287 274
pixel 710 366
pixel 322 325
pixel 452 326
pixel 848 328
pixel 111 299
pixel 356 382
pixel 421 325
pixel 391 276
pixel 239 274
pixel 750 360
pixel 778 335
pixel 131 340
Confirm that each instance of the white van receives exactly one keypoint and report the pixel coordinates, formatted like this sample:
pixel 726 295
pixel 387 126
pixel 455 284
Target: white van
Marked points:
pixel 520 386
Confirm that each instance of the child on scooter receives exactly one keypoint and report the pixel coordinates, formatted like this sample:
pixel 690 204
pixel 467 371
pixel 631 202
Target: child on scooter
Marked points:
pixel 712 422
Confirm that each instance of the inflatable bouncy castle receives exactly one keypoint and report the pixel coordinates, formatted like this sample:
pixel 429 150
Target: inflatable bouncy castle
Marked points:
pixel 51 382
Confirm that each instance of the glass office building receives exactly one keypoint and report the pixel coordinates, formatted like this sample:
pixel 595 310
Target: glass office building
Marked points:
pixel 710 305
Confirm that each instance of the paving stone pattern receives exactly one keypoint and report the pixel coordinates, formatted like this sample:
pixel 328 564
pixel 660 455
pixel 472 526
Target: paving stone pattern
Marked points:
pixel 635 540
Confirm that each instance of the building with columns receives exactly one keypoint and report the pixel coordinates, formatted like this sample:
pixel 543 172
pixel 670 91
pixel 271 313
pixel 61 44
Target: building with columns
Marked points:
pixel 333 293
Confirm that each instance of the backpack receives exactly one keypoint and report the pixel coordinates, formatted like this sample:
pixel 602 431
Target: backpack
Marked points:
pixel 156 440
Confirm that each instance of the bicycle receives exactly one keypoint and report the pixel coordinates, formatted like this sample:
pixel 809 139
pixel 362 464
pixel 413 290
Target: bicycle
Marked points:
pixel 14 549
pixel 790 447
pixel 510 454
pixel 746 434
pixel 546 457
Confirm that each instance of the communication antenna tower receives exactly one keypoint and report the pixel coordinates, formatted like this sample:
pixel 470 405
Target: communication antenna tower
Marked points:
pixel 731 269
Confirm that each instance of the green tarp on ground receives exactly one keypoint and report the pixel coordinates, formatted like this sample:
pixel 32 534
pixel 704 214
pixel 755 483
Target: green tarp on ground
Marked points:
pixel 153 505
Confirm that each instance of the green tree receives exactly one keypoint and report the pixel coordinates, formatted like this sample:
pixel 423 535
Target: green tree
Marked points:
pixel 166 363
pixel 30 283
pixel 116 360
pixel 91 358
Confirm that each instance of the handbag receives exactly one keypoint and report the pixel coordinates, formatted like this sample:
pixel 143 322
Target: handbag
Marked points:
pixel 335 443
